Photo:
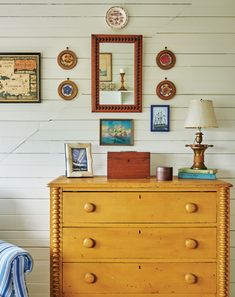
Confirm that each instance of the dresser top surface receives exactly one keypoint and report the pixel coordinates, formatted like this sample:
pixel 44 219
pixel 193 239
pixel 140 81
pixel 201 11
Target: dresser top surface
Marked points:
pixel 100 182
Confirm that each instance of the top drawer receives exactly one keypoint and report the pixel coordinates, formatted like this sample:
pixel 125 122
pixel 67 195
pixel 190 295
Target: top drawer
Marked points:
pixel 137 207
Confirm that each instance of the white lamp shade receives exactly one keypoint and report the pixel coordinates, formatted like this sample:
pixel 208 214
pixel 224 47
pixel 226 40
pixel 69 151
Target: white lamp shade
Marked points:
pixel 201 115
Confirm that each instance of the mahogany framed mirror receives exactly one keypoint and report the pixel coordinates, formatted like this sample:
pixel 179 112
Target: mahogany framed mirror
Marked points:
pixel 116 73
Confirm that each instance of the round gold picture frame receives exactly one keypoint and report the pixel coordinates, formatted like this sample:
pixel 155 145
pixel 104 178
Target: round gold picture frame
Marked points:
pixel 67 59
pixel 67 90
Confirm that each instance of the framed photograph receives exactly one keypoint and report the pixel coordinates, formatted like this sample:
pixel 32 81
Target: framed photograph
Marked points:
pixel 116 132
pixel 105 67
pixel 160 118
pixel 20 78
pixel 78 160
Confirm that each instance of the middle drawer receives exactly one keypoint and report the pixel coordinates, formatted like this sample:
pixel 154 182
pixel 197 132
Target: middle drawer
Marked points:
pixel 141 243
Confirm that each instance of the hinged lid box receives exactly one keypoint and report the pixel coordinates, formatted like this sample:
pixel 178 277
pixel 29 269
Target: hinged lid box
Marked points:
pixel 128 165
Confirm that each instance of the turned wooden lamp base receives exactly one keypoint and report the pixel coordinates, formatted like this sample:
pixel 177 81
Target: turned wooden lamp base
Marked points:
pixel 198 160
pixel 198 149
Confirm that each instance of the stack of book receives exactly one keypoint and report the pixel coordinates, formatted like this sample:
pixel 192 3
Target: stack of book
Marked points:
pixel 189 173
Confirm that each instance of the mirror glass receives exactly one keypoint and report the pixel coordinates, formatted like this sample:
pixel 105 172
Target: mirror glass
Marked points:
pixel 116 82
pixel 116 73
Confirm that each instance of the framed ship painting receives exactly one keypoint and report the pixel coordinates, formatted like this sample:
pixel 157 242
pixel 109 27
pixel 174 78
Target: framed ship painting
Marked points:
pixel 160 118
pixel 116 132
pixel 20 78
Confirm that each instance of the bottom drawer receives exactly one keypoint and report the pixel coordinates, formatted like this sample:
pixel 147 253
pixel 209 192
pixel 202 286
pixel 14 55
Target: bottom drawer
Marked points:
pixel 140 277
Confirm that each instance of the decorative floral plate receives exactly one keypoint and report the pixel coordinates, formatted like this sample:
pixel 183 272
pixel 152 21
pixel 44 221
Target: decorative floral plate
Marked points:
pixel 67 90
pixel 166 59
pixel 166 90
pixel 116 17
pixel 67 59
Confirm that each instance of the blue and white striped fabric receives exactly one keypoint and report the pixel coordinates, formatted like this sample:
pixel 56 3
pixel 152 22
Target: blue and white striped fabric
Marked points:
pixel 14 264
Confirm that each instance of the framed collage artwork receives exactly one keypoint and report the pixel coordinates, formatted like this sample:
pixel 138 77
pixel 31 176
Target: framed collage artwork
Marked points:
pixel 20 78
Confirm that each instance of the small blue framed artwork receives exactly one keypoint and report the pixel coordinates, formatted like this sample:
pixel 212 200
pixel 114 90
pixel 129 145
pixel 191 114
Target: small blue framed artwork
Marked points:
pixel 116 132
pixel 160 118
pixel 78 160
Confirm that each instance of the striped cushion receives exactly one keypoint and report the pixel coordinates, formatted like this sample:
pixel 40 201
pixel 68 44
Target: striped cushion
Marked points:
pixel 14 264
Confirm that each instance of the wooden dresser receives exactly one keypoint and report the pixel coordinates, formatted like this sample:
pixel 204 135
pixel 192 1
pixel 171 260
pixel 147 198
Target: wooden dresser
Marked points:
pixel 139 238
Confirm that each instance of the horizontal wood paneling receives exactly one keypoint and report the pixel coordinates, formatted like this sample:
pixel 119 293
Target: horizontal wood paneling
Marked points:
pixel 24 206
pixel 27 239
pixel 200 33
pixel 98 10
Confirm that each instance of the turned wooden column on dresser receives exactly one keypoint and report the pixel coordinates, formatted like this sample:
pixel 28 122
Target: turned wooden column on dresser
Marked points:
pixel 139 238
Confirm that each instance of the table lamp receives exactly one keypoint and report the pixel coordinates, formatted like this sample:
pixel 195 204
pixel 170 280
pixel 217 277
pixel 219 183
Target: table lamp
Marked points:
pixel 200 115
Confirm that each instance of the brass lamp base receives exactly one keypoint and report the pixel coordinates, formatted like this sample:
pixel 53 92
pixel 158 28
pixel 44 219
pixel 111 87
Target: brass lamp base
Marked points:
pixel 198 160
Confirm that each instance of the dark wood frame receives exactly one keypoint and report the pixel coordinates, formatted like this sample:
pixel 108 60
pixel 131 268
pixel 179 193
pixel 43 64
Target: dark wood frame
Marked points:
pixel 158 59
pixel 132 132
pixel 105 38
pixel 168 118
pixel 169 83
pixel 38 55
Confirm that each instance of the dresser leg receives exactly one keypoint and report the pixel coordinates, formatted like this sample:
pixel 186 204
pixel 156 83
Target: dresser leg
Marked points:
pixel 55 242
pixel 223 243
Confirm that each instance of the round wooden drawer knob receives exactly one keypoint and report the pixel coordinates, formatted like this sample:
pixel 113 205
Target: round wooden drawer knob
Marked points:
pixel 89 207
pixel 88 242
pixel 190 278
pixel 191 243
pixel 90 278
pixel 191 207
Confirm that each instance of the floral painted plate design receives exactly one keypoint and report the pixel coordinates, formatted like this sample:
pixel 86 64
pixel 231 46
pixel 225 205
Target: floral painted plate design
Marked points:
pixel 116 17
pixel 67 90
pixel 166 90
pixel 67 59
pixel 166 59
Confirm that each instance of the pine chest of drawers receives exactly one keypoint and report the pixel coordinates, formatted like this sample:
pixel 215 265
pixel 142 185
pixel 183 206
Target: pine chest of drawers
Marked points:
pixel 139 238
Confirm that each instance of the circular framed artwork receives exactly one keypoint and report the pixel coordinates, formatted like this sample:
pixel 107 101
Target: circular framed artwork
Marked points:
pixel 166 90
pixel 166 59
pixel 116 17
pixel 67 90
pixel 67 59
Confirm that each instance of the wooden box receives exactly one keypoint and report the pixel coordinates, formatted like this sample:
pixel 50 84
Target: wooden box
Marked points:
pixel 128 165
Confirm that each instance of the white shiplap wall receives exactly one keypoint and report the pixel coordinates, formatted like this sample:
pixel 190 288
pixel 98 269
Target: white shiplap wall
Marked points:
pixel 201 33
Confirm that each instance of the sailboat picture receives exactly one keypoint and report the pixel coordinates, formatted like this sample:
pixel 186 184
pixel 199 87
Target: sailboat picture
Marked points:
pixel 116 132
pixel 160 121
pixel 79 159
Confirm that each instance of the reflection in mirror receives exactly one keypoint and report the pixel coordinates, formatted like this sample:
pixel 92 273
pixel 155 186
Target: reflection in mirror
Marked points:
pixel 116 73
pixel 116 77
